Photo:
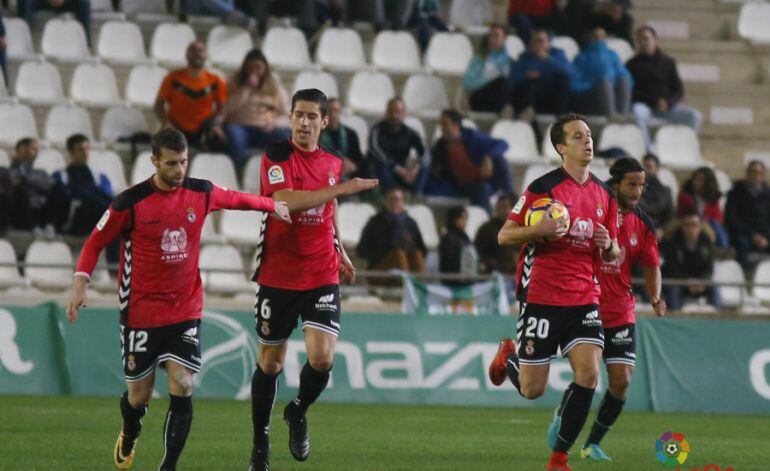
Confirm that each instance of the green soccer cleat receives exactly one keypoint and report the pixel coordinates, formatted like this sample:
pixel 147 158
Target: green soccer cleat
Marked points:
pixel 594 452
pixel 553 429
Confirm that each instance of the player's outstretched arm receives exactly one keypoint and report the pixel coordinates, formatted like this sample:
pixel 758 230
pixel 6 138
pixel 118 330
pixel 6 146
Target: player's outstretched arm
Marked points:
pixel 281 212
pixel 78 298
pixel 546 229
pixel 304 200
pixel 653 281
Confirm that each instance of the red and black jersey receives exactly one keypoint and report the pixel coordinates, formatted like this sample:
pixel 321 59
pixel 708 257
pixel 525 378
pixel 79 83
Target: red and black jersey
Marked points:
pixel 301 255
pixel 636 237
pixel 562 272
pixel 159 280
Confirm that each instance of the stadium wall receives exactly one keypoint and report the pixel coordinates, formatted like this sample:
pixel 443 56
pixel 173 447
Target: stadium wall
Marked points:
pixel 684 365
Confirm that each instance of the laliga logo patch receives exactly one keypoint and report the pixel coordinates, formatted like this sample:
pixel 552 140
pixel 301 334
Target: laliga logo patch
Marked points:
pixel 191 214
pixel 275 175
pixel 519 205
pixel 103 221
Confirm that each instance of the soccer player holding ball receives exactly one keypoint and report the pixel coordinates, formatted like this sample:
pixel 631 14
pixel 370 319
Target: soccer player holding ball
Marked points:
pixel 298 271
pixel 161 296
pixel 636 237
pixel 556 281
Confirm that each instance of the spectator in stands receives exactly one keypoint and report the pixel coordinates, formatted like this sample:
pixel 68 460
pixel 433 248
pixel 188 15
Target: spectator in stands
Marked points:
pixel 747 214
pixel 3 56
pixel 525 15
pixel 391 239
pixel 689 253
pixel 81 8
pixel 344 141
pixel 613 16
pixel 396 151
pixel 701 194
pixel 456 253
pixel 540 79
pixel 25 190
pixel 485 81
pixel 80 196
pixel 573 18
pixel 225 9
pixel 426 17
pixel 601 84
pixel 657 200
pixel 658 90
pixel 192 99
pixel 310 15
pixel 257 108
pixel 494 257
pixel 467 163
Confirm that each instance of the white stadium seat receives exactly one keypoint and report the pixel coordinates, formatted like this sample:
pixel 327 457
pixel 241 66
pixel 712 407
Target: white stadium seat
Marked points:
pixel 39 82
pixel 209 234
pixel 621 47
pixel 449 53
pixel 18 122
pixel 352 219
pixel 215 167
pixel 143 84
pixel 423 216
pixel 94 85
pixel 729 271
pixel 602 172
pixel 534 172
pixel 121 121
pixel 396 52
pixel 49 160
pixel 341 48
pixel 753 20
pixel 142 168
pixel 566 44
pixel 9 275
pixel 110 164
pixel 425 95
pixel 514 46
pixel 416 124
pixel 223 257
pixel 5 161
pixel 51 253
pixel 678 146
pixel 762 277
pixel 625 136
pixel 240 227
pixel 121 42
pixel 18 39
pixel 228 45
pixel 476 217
pixel 64 39
pixel 723 181
pixel 522 143
pixel 286 48
pixel 323 81
pixel 169 43
pixel 668 179
pixel 471 15
pixel 547 150
pixel 65 120
pixel 369 92
pixel 251 182
pixel 357 124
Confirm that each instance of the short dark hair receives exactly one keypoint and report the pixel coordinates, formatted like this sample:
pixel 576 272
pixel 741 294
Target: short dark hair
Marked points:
pixel 621 167
pixel 688 213
pixel 313 95
pixel 454 213
pixel 75 140
pixel 507 196
pixel 649 28
pixel 557 129
pixel 24 142
pixel 756 162
pixel 169 138
pixel 454 116
pixel 653 157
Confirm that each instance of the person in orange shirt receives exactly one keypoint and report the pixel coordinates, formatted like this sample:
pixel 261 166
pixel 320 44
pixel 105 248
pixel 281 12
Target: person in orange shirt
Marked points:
pixel 192 99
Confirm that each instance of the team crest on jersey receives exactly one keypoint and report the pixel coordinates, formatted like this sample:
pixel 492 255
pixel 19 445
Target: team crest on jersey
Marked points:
pixel 519 205
pixel 103 221
pixel 131 364
pixel 582 228
pixel 332 181
pixel 275 174
pixel 173 245
pixel 599 211
pixel 191 214
pixel 265 329
pixel 633 241
pixel 530 348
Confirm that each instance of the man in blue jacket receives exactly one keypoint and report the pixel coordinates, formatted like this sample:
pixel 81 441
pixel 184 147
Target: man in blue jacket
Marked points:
pixel 467 163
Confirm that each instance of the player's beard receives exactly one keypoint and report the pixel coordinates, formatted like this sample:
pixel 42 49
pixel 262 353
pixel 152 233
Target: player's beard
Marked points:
pixel 170 181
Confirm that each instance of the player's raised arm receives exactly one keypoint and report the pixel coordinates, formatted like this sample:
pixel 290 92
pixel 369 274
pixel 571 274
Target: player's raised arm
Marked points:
pixel 304 200
pixel 222 198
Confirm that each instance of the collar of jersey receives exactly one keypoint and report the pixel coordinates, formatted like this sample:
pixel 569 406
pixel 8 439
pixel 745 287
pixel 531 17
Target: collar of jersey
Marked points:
pixel 304 153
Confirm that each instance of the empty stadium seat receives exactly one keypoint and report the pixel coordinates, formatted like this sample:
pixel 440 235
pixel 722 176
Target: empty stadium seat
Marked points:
pixel 5 161
pixel 678 146
pixel 762 277
pixel 323 81
pixel 64 39
pixel 240 227
pixel 423 216
pixel 522 143
pixel 547 150
pixel 18 122
pixel 625 136
pixel 534 172
pixel 65 120
pixel 471 15
pixel 668 178
pixel 209 234
pixel 50 253
pixel 340 48
pixel 425 95
pixel 223 257
pixel 449 53
pixel 94 85
pixel 729 271
pixel 723 180
pixel 566 44
pixel 228 45
pixel 39 82
pixel 753 20
pixel 357 124
pixel 143 85
pixel 286 48
pixel 122 121
pixel 169 43
pixel 476 217
pixel 251 177
pixel 602 172
pixel 396 52
pixel 621 47
pixel 49 160
pixel 9 275
pixel 215 167
pixel 109 163
pixel 416 124
pixel 369 92
pixel 514 45
pixel 142 168
pixel 121 42
pixel 352 219
pixel 18 39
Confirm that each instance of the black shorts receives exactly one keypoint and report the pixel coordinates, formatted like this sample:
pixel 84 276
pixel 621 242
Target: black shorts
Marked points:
pixel 620 345
pixel 144 348
pixel 543 329
pixel 276 312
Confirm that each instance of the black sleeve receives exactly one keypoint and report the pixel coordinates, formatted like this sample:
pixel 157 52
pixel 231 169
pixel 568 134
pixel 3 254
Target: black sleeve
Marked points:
pixel 449 253
pixel 733 221
pixel 675 84
pixel 354 148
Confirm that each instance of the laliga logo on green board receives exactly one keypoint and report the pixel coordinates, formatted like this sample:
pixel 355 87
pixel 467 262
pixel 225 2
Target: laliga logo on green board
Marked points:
pixel 672 449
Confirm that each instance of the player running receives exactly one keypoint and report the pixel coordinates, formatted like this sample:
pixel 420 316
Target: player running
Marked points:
pixel 636 237
pixel 298 271
pixel 160 292
pixel 556 283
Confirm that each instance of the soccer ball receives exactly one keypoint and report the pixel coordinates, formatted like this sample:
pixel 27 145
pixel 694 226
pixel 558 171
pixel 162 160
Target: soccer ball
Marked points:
pixel 672 449
pixel 548 207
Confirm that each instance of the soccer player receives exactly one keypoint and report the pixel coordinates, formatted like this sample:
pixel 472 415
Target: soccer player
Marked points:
pixel 636 237
pixel 160 293
pixel 298 271
pixel 556 283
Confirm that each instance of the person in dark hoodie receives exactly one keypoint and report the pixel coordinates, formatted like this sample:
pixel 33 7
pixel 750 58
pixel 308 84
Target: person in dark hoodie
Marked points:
pixel 456 253
pixel 747 212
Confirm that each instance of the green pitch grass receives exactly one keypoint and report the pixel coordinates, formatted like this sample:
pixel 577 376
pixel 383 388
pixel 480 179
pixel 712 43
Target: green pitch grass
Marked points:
pixel 76 433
